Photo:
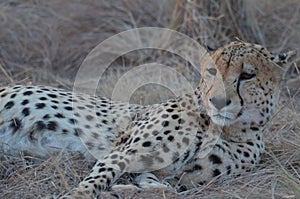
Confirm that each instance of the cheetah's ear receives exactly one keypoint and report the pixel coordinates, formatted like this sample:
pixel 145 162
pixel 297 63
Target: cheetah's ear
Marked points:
pixel 283 58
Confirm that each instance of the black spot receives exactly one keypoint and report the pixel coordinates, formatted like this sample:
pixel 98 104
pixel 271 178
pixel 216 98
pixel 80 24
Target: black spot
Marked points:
pixel 104 121
pixel 54 106
pixel 121 165
pixel 174 106
pixel 165 123
pixel 108 182
pixel 89 106
pixel 250 143
pixel 88 127
pixel 258 137
pixel 88 178
pixel 52 95
pixel 170 138
pixel 253 128
pixel 114 156
pixel 149 126
pixel 215 159
pixel 175 117
pixel 59 115
pixel 43 98
pixel 216 172
pixel 69 108
pixel 26 112
pixel 101 164
pixel 181 121
pixel 178 127
pixel 185 140
pixel 40 105
pixel 72 121
pixel 80 107
pixel 52 125
pixel 101 170
pixel 65 131
pixel 206 122
pixel 246 154
pixel 159 138
pixel 46 116
pixel 9 104
pixel 27 93
pixel 13 96
pixel 167 132
pixel 170 110
pixel 197 167
pixel 25 102
pixel 165 115
pixel 146 144
pixel 228 169
pixel 40 125
pixel 110 169
pixel 136 140
pixel 89 117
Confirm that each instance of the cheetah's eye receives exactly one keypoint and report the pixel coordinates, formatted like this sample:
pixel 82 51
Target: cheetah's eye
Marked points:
pixel 212 71
pixel 247 76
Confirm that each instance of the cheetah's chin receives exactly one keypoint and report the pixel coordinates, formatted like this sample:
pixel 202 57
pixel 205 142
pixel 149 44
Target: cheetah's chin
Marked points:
pixel 222 119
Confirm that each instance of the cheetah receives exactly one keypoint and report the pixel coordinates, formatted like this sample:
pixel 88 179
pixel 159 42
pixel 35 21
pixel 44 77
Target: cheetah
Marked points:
pixel 214 132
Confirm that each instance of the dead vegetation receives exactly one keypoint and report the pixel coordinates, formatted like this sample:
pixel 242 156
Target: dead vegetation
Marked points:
pixel 44 42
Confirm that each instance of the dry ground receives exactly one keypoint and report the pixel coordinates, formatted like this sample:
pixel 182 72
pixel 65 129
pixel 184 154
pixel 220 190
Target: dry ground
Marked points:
pixel 44 42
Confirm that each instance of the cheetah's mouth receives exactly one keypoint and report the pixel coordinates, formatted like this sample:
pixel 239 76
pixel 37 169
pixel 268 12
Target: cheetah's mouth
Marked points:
pixel 222 118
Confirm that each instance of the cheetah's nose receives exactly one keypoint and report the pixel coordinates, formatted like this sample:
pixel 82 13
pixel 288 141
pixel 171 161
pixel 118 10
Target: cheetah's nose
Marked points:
pixel 220 103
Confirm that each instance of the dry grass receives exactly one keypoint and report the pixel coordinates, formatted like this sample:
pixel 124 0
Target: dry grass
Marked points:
pixel 44 42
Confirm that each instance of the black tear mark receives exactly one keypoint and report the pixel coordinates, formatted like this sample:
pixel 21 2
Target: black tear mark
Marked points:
pixel 238 91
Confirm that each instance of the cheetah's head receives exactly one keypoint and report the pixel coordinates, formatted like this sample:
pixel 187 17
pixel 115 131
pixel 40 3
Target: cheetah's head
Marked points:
pixel 240 82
